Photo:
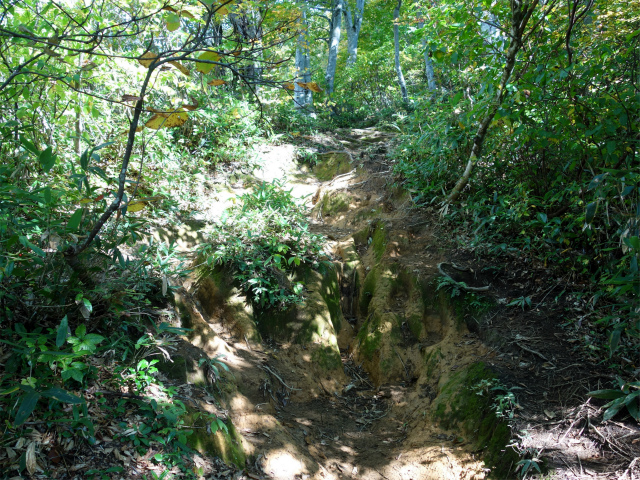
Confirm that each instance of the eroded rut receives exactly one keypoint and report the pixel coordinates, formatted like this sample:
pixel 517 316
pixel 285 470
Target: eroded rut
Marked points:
pixel 387 409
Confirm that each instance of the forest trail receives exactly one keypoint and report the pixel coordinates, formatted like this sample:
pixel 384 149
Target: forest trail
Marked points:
pixel 345 425
pixel 398 405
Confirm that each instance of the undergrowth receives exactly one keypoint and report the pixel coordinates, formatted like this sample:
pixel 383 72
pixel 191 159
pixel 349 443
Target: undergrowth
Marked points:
pixel 261 242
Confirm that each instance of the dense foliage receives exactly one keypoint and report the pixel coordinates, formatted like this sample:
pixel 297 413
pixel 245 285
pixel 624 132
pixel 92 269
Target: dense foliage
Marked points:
pixel 558 178
pixel 261 242
pixel 115 118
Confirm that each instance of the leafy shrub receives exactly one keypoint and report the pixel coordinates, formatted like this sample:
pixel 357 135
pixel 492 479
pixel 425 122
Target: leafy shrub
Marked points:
pixel 261 242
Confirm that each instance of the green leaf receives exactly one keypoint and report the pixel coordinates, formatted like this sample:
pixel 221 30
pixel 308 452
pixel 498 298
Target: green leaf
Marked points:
pixel 87 304
pixel 29 146
pixel 633 242
pixel 84 160
pixel 62 396
pixel 173 22
pixel 47 159
pixel 37 250
pixel 607 394
pixel 81 331
pixel 62 332
pixel 74 221
pixel 614 340
pixel 10 390
pixel 28 404
pixel 214 426
pixel 222 425
pixel 591 212
pixel 46 193
pixel 93 338
pixel 73 373
pixel 633 408
pixel 613 409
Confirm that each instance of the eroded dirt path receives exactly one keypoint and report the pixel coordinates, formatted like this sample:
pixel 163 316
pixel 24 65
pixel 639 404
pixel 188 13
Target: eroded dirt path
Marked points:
pixel 374 417
pixel 297 424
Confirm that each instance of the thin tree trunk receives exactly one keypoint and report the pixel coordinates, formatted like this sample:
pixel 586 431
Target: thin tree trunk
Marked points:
pixel 428 65
pixel 354 23
pixel 396 41
pixel 334 43
pixel 303 97
pixel 521 12
pixel 78 126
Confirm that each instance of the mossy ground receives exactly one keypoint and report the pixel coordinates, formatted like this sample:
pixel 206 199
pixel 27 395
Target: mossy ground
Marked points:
pixel 227 444
pixel 330 165
pixel 459 407
pixel 333 203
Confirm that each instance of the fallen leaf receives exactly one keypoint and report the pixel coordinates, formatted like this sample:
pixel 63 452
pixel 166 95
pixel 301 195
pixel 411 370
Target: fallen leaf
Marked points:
pixel 30 458
pixel 216 82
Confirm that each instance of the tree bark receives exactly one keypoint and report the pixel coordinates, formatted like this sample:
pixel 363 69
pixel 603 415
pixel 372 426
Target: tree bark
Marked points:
pixel 521 11
pixel 334 43
pixel 396 41
pixel 428 65
pixel 303 97
pixel 354 23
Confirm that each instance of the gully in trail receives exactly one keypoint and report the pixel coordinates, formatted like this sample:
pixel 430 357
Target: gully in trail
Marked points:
pixel 387 369
pixel 352 382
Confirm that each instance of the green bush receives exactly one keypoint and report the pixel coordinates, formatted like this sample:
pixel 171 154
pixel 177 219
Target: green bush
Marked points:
pixel 261 242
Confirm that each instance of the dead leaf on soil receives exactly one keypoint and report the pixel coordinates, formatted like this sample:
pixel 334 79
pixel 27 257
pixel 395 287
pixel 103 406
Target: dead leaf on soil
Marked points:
pixel 30 458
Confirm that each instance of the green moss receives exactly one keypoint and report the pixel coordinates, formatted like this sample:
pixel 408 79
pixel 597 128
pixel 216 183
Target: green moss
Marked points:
pixel 432 359
pixel 379 241
pixel 386 364
pixel 370 336
pixel 368 290
pixel 334 202
pixel 225 444
pixel 458 407
pixel 183 370
pixel 330 291
pixel 360 238
pixel 327 357
pixel 415 325
pixel 370 342
pixel 330 165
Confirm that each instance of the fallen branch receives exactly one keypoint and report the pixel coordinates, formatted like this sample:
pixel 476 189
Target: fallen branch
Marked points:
pixel 526 349
pixel 281 381
pixel 462 285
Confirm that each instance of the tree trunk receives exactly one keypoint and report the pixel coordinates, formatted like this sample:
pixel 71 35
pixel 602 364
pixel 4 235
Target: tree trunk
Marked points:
pixel 396 41
pixel 334 43
pixel 248 26
pixel 354 23
pixel 521 12
pixel 303 97
pixel 78 126
pixel 428 65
